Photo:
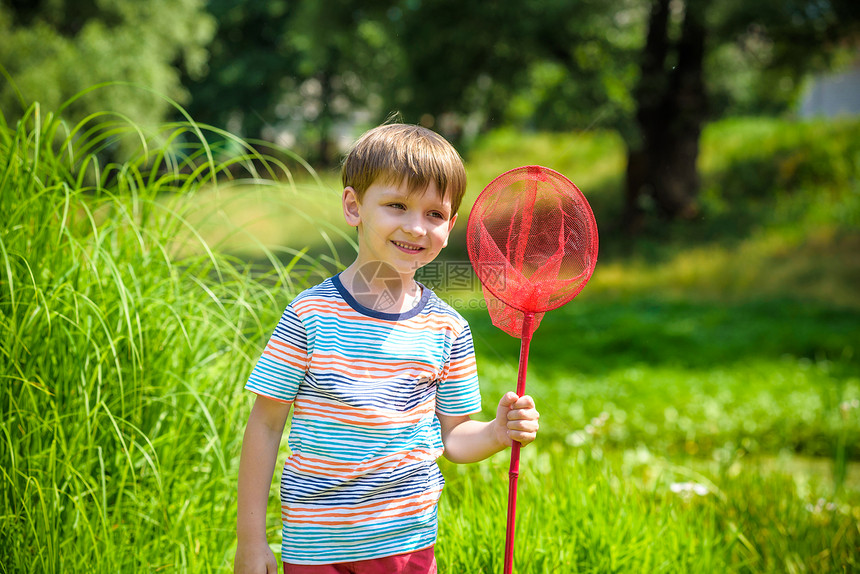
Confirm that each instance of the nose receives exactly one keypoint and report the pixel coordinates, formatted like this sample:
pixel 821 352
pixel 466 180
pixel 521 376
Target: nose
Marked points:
pixel 413 224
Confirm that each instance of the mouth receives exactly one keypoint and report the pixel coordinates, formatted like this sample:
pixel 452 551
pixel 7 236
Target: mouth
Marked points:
pixel 407 247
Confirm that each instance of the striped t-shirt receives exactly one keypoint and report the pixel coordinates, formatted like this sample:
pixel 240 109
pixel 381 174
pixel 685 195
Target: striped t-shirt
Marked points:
pixel 361 480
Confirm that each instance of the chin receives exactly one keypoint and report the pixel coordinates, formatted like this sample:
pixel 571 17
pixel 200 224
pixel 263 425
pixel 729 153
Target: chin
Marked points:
pixel 409 268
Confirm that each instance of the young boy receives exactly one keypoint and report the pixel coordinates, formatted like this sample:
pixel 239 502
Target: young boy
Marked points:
pixel 381 375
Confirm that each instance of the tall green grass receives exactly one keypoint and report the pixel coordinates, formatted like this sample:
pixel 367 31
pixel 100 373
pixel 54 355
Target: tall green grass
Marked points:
pixel 122 346
pixel 589 511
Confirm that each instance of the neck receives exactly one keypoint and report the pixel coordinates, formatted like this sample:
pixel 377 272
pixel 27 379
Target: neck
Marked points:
pixel 378 286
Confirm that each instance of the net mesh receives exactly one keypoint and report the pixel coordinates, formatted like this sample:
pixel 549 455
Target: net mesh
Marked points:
pixel 532 240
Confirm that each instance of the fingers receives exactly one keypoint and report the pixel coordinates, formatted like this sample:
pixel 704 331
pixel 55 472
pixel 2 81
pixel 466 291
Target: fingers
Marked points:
pixel 523 430
pixel 509 399
pixel 522 418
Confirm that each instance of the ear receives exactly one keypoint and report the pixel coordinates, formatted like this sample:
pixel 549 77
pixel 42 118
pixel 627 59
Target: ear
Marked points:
pixel 450 227
pixel 351 206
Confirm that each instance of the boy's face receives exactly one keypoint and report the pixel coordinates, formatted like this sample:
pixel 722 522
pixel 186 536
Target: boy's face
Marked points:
pixel 405 231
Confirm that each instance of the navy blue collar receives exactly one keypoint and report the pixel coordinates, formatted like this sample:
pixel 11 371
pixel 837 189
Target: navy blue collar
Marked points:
pixel 347 296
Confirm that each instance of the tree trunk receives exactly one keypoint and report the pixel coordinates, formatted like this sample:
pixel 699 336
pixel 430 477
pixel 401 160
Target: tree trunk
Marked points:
pixel 671 108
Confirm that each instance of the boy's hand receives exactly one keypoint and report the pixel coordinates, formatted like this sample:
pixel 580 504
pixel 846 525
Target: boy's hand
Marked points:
pixel 516 419
pixel 256 559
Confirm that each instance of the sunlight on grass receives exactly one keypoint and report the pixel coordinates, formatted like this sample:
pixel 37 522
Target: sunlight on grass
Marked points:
pixel 244 217
pixel 293 216
pixel 588 159
pixel 823 266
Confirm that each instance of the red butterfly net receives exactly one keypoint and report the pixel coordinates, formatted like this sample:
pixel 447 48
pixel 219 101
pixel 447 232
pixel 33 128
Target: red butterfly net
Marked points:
pixel 532 240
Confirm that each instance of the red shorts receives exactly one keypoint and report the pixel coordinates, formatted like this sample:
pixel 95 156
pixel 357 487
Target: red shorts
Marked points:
pixel 419 562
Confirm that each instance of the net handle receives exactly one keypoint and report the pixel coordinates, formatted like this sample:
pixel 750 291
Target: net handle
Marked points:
pixel 514 470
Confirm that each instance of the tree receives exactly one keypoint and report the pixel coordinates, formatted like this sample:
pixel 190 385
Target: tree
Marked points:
pixel 52 50
pixel 677 68
pixel 547 64
pixel 345 58
pixel 671 109
pixel 250 65
pixel 295 68
pixel 655 70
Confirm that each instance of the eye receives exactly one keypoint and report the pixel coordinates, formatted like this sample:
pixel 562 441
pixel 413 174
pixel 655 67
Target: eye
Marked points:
pixel 437 215
pixel 397 205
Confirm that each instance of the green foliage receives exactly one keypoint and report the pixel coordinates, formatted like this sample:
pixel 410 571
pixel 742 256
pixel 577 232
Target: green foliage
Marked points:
pixel 551 65
pixel 53 50
pixel 763 158
pixel 543 64
pixel 294 70
pixel 797 179
pixel 761 51
pixel 121 351
pixel 250 66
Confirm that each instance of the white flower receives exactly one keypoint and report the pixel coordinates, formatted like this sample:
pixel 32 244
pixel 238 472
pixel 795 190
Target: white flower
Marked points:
pixel 688 487
pixel 577 438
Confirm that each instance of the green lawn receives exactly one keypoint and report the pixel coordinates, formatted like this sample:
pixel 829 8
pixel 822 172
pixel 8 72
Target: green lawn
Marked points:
pixel 755 404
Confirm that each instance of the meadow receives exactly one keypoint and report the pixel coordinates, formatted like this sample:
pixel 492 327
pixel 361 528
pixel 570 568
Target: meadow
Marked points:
pixel 700 399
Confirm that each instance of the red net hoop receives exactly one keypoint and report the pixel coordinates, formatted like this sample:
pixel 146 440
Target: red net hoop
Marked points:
pixel 532 240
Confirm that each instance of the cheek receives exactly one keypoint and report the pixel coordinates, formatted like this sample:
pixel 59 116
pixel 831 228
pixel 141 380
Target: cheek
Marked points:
pixel 385 220
pixel 441 234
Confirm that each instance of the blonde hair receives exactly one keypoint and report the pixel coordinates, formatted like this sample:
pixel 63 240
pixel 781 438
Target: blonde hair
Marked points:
pixel 397 153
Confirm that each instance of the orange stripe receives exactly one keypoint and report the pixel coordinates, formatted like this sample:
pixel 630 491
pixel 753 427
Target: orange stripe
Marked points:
pixel 359 368
pixel 400 365
pixel 462 372
pixel 275 352
pixel 377 462
pixel 364 519
pixel 359 516
pixel 357 375
pixel 283 347
pixel 367 424
pixel 371 505
pixel 365 420
pixel 300 366
pixel 419 502
pixel 391 415
pixel 347 471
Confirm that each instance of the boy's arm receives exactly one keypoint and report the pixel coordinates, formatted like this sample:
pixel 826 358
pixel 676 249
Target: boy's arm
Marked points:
pixel 256 468
pixel 466 440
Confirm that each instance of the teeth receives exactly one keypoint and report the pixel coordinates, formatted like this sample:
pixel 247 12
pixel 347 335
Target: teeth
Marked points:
pixel 406 246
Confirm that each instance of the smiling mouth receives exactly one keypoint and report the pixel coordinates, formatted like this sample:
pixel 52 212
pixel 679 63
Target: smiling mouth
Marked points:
pixel 408 247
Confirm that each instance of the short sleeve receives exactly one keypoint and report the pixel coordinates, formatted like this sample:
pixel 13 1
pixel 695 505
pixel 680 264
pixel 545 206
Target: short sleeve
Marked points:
pixel 284 362
pixel 459 393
